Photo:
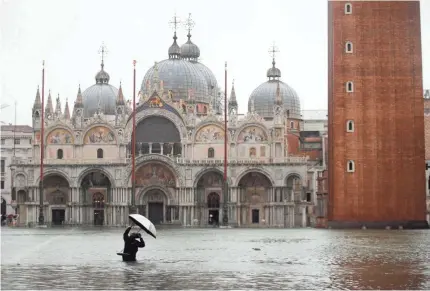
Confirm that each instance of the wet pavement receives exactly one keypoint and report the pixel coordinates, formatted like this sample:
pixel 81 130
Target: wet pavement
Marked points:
pixel 79 258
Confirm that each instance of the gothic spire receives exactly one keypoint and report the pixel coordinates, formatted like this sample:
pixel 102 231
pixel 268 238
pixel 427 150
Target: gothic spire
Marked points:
pixel 120 97
pixel 233 100
pixel 58 106
pixel 49 108
pixel 37 103
pixel 79 103
pixel 67 111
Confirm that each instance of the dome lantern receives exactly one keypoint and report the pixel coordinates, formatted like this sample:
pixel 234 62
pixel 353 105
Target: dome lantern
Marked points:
pixel 174 49
pixel 189 50
pixel 273 73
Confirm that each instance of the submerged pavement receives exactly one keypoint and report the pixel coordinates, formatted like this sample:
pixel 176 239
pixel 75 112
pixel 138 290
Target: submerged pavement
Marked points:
pixel 85 258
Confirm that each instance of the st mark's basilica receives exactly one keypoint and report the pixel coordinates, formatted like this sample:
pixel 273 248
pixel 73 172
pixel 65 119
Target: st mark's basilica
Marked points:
pixel 179 152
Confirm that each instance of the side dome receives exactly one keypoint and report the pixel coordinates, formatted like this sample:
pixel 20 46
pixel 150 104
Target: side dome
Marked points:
pixel 181 77
pixel 264 97
pixel 100 95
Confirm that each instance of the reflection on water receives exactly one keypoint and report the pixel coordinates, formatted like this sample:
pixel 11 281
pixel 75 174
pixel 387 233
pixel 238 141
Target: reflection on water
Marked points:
pixel 217 259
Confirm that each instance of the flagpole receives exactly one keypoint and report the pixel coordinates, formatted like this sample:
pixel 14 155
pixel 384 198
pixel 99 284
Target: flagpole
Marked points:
pixel 42 146
pixel 225 209
pixel 133 146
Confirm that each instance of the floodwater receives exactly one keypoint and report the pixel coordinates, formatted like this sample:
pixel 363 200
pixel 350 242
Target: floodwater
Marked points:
pixel 79 258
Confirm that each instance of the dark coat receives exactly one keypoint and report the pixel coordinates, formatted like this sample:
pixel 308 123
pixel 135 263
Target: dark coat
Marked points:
pixel 131 245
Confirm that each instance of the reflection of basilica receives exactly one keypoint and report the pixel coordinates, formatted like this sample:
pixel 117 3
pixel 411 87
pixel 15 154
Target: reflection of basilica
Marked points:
pixel 179 152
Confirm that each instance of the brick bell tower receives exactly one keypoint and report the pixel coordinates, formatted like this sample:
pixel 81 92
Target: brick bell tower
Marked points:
pixel 375 125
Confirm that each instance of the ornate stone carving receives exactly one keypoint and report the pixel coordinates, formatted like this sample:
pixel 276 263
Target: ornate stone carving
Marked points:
pixel 20 180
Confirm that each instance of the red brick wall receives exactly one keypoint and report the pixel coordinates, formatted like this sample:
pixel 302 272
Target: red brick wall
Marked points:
pixel 387 107
pixel 293 143
pixel 427 127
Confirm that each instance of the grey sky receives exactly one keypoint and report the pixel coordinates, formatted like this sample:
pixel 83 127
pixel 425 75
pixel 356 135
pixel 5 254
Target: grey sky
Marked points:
pixel 67 34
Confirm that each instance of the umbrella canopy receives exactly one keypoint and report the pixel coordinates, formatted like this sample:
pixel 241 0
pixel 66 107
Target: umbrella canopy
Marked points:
pixel 144 223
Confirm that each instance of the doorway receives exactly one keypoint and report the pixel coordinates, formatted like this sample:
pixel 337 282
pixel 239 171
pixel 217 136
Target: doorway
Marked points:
pixel 213 217
pixel 58 216
pixel 255 216
pixel 155 212
pixel 99 217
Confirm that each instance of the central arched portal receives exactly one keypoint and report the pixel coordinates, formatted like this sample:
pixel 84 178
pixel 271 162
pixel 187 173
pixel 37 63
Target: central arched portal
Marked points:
pixel 156 182
pixel 56 190
pixel 157 135
pixel 254 192
pixel 153 205
pixel 209 191
pixel 96 188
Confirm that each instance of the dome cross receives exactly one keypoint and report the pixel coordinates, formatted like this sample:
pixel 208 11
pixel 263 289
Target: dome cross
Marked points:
pixel 273 50
pixel 175 22
pixel 189 23
pixel 103 52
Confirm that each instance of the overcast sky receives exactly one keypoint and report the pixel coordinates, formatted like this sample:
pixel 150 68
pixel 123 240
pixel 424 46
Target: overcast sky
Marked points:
pixel 67 34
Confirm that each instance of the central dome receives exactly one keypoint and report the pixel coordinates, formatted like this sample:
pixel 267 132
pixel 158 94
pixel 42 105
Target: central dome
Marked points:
pixel 180 76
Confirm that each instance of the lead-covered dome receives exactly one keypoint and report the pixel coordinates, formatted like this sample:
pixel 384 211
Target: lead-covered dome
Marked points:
pixel 209 76
pixel 180 76
pixel 101 94
pixel 264 96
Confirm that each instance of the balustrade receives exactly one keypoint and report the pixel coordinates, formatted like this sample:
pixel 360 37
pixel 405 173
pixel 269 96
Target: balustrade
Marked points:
pixel 145 148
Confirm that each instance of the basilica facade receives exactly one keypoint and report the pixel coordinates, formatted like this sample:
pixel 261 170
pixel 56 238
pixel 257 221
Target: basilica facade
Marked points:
pixel 179 159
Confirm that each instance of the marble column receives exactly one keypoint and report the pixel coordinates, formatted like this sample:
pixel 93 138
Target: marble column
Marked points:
pixel 304 216
pixel 291 215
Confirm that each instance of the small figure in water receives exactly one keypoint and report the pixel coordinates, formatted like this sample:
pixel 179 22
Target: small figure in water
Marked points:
pixel 131 245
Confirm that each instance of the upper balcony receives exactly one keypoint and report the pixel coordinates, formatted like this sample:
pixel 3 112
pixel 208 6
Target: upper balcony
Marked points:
pixel 243 161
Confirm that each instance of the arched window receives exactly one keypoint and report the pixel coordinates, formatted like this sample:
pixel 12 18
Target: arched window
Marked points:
pixel 348 47
pixel 213 200
pixel 59 154
pixel 351 166
pixel 350 126
pixel 211 153
pixel 348 8
pixel 349 87
pixel 99 154
pixel 98 200
pixel 292 124
pixel 252 152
